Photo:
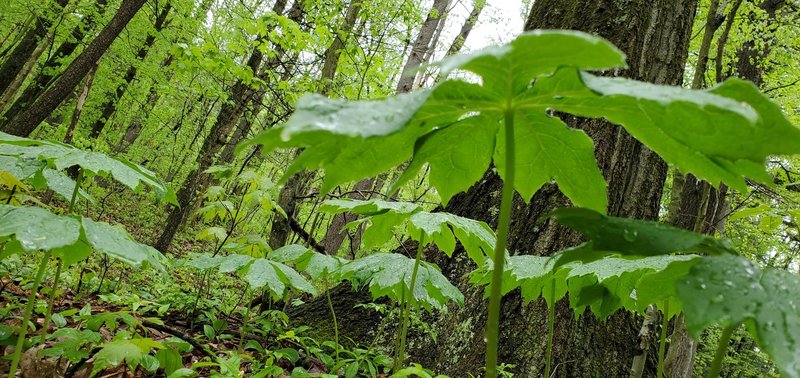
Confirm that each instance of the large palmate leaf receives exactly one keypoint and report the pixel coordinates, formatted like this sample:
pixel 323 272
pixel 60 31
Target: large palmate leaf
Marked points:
pixel 71 238
pixel 728 290
pixel 440 228
pixel 721 135
pixel 39 155
pixel 389 275
pixel 257 272
pixel 637 237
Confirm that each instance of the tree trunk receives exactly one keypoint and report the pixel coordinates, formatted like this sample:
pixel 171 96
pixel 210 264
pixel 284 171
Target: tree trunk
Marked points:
pixel 110 105
pixel 51 65
pixel 466 28
pixel 655 36
pixel 29 119
pixel 16 60
pixel 422 47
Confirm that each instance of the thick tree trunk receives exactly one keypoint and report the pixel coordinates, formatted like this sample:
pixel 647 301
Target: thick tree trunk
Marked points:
pixel 110 105
pixel 655 36
pixel 16 60
pixel 29 119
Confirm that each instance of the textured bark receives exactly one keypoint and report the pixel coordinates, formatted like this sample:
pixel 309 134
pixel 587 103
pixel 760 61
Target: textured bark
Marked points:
pixel 336 234
pixel 110 105
pixel 51 65
pixel 334 51
pixel 76 115
pixel 647 334
pixel 230 113
pixel 15 61
pixel 29 119
pixel 654 35
pixel 422 46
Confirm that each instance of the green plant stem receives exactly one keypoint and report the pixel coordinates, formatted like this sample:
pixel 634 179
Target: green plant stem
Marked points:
pixel 51 301
pixel 551 321
pixel 407 309
pixel 722 348
pixel 335 326
pixel 495 296
pixel 662 343
pixel 75 191
pixel 23 329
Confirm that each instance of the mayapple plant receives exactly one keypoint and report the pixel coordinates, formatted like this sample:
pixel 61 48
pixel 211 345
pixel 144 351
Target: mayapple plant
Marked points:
pixel 458 128
pixel 69 238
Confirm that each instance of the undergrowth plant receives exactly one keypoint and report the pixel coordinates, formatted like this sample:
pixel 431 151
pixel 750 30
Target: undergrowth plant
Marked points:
pixel 69 238
pixel 507 116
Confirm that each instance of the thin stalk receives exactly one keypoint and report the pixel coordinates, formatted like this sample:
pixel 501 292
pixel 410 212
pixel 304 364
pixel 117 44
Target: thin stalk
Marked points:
pixel 493 324
pixel 662 343
pixel 335 325
pixel 407 310
pixel 722 348
pixel 75 191
pixel 551 321
pixel 23 329
pixel 51 301
pixel 400 307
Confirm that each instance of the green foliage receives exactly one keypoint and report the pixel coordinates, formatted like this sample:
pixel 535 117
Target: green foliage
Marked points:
pixel 134 352
pixel 636 237
pixel 257 272
pixel 70 238
pixel 382 218
pixel 33 157
pixel 389 275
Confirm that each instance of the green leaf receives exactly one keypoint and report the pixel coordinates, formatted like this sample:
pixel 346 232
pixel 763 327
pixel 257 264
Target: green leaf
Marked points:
pixel 454 167
pixel 679 124
pixel 342 137
pixel 115 242
pixel 534 54
pixel 728 290
pixel 440 228
pixel 36 228
pixel 131 351
pixel 637 237
pixel 62 156
pixel 553 151
pixel 313 263
pixel 389 275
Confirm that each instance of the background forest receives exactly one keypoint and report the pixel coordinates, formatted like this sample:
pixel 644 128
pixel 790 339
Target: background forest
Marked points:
pixel 161 212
